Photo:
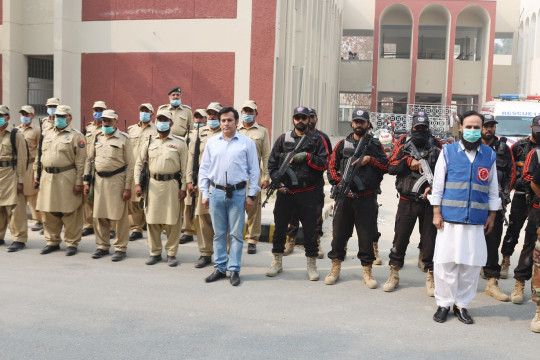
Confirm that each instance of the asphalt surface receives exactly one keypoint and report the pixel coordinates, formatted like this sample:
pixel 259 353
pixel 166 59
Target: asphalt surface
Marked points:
pixel 58 307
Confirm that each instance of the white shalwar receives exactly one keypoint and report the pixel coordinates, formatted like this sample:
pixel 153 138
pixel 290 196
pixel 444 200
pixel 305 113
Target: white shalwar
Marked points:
pixel 460 249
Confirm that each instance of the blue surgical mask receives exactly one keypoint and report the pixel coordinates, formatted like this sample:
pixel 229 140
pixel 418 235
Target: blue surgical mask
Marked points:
pixel 212 123
pixel 144 117
pixel 60 123
pixel 26 120
pixel 198 125
pixel 163 126
pixel 247 118
pixel 472 135
pixel 2 122
pixel 176 103
pixel 98 115
pixel 107 129
pixel 51 111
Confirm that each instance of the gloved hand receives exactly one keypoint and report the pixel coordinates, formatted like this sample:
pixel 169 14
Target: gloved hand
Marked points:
pixel 298 158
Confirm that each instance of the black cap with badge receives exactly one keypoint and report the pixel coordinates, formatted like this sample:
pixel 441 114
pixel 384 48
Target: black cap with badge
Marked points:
pixel 301 110
pixel 175 89
pixel 360 114
pixel 488 118
pixel 536 124
pixel 420 118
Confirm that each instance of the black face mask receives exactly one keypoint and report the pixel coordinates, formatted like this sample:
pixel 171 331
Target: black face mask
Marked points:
pixel 536 137
pixel 300 126
pixel 471 145
pixel 360 131
pixel 420 138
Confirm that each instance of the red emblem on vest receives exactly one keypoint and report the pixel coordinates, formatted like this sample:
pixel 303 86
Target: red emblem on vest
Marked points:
pixel 483 174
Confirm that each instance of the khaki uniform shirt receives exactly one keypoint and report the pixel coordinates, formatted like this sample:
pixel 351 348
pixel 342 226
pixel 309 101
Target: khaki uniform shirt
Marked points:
pixel 205 133
pixel 167 156
pixel 61 148
pixel 110 153
pixel 182 119
pixel 138 136
pixel 31 134
pixel 47 124
pixel 259 135
pixel 9 177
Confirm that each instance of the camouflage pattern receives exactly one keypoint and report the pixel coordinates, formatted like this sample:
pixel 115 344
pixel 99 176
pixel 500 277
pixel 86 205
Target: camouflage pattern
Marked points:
pixel 535 283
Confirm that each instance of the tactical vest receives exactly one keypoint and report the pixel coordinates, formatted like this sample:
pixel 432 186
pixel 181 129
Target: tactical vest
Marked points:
pixel 305 174
pixel 367 176
pixel 405 183
pixel 502 160
pixel 466 191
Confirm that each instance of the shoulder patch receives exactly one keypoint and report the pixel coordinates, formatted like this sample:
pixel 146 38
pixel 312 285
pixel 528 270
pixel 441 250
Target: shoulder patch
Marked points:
pixel 81 144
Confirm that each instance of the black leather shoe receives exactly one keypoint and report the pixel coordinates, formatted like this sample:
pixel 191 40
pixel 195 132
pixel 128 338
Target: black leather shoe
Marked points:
pixel 153 260
pixel 252 249
pixel 49 249
pixel 135 236
pixel 87 231
pixel 99 253
pixel 441 314
pixel 71 250
pixel 2 242
pixel 235 278
pixel 171 261
pixel 215 276
pixel 112 234
pixel 37 226
pixel 41 232
pixel 463 315
pixel 186 238
pixel 118 256
pixel 203 261
pixel 144 227
pixel 16 246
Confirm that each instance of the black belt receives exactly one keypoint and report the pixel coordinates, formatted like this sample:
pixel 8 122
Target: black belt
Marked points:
pixel 106 174
pixel 7 163
pixel 166 177
pixel 58 170
pixel 239 186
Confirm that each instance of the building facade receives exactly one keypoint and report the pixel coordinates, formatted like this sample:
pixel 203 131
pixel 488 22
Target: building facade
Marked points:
pixel 529 48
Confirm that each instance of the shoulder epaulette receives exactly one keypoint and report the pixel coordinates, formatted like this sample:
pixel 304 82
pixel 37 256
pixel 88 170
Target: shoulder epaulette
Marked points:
pixel 76 131
pixel 186 106
pixel 124 133
pixel 162 106
pixel 178 137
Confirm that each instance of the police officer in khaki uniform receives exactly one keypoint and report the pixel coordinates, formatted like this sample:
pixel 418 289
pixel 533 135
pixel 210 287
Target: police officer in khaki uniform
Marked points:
pixel 12 169
pixel 47 123
pixel 61 183
pixel 139 134
pixel 91 128
pixel 259 135
pixel 182 119
pixel 205 235
pixel 112 155
pixel 166 155
pixel 31 135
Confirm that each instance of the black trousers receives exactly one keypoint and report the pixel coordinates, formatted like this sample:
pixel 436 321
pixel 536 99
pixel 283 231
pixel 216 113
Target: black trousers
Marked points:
pixel 294 224
pixel 406 215
pixel 360 213
pixel 523 270
pixel 305 205
pixel 516 219
pixel 493 240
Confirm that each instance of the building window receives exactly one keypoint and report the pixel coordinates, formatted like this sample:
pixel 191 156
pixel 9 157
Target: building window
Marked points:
pixel 40 82
pixel 392 103
pixel 357 45
pixel 396 41
pixel 502 50
pixel 468 45
pixel 349 101
pixel 428 99
pixel 464 103
pixel 431 42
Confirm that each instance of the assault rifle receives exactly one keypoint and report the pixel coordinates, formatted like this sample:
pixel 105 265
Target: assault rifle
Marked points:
pixel 427 174
pixel 92 176
pixel 349 177
pixel 505 197
pixel 144 178
pixel 39 153
pixel 196 156
pixel 285 168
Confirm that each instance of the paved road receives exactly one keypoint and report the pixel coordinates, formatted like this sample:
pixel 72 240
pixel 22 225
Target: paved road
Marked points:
pixel 58 307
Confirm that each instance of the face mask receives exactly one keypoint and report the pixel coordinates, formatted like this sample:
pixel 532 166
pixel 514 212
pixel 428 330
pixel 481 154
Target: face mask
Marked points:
pixel 144 117
pixel 176 103
pixel 26 120
pixel 247 118
pixel 2 122
pixel 107 129
pixel 60 122
pixel 97 115
pixel 471 135
pixel 163 126
pixel 198 125
pixel 213 123
pixel 420 137
pixel 51 111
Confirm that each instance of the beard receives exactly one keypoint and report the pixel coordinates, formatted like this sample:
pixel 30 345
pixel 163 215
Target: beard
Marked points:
pixel 536 137
pixel 487 137
pixel 471 145
pixel 300 126
pixel 311 126
pixel 360 131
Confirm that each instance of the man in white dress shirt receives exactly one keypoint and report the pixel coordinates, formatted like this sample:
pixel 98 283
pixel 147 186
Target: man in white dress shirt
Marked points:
pixel 465 199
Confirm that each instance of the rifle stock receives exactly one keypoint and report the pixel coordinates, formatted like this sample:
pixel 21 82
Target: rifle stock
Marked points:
pixel 144 178
pixel 39 153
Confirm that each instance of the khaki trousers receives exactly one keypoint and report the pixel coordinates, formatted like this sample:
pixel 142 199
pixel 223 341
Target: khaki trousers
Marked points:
pixel 32 201
pixel 253 222
pixel 72 222
pixel 154 238
pixel 187 226
pixel 136 217
pixel 15 216
pixel 88 212
pixel 103 226
pixel 205 235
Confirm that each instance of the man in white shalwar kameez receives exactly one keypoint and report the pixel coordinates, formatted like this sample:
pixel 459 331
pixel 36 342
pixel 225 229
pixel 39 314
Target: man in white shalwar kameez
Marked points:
pixel 465 199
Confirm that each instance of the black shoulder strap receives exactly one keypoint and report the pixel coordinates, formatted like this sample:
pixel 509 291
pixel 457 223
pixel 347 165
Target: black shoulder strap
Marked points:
pixel 13 138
